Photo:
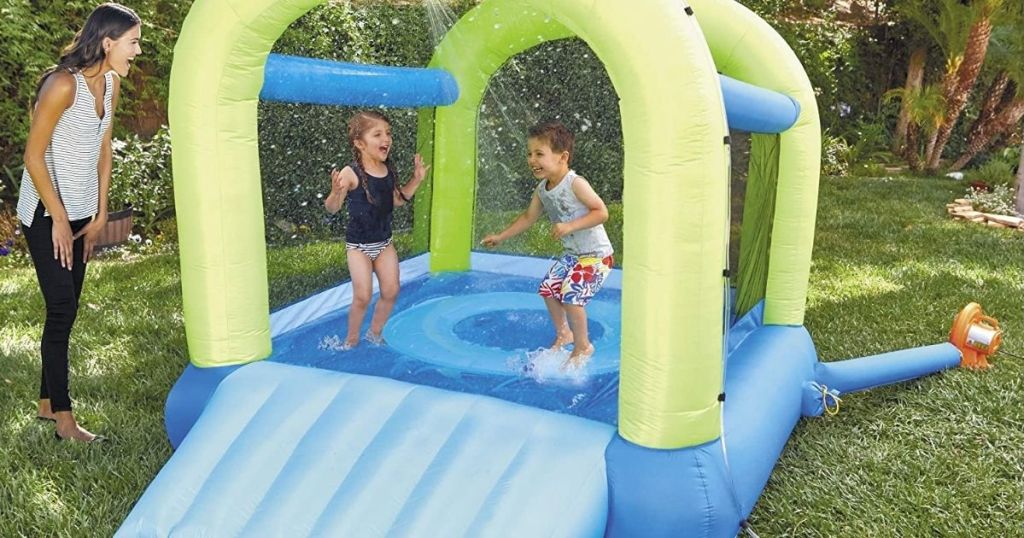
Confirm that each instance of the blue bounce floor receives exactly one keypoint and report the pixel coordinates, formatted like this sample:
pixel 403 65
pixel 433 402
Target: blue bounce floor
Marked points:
pixel 476 332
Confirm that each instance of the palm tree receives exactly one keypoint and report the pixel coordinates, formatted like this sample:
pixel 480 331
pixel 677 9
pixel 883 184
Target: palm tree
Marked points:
pixel 997 124
pixel 962 30
pixel 926 110
pixel 1003 107
pixel 915 78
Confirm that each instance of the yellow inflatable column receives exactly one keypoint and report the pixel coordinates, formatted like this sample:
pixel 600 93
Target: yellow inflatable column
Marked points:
pixel 214 89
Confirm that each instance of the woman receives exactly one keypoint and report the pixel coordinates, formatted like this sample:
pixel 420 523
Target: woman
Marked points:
pixel 63 202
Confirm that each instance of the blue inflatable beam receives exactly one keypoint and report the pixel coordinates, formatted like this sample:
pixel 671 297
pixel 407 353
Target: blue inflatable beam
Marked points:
pixel 757 110
pixel 294 79
pixel 869 372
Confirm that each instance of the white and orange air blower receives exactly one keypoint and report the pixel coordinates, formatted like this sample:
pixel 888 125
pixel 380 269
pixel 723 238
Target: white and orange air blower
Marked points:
pixel 976 336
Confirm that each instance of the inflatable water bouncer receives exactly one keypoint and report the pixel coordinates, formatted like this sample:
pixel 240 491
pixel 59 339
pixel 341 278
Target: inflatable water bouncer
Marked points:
pixel 675 425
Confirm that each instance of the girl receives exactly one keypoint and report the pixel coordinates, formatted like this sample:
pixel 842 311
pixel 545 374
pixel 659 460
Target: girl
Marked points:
pixel 63 202
pixel 370 185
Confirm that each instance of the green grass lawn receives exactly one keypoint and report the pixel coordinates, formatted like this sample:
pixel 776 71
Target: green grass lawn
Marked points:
pixel 939 456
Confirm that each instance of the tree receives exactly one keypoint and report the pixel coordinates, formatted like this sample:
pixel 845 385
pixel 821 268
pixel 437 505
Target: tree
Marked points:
pixel 1003 106
pixel 925 111
pixel 958 83
pixel 962 30
pixel 915 78
pixel 995 125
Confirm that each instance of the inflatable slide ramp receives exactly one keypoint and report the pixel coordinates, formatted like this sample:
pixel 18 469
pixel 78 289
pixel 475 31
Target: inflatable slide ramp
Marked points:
pixel 283 450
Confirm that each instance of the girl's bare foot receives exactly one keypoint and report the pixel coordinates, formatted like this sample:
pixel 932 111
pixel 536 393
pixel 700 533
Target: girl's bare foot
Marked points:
pixel 561 340
pixel 349 343
pixel 578 358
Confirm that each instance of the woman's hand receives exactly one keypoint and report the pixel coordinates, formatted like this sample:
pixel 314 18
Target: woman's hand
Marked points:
pixel 419 170
pixel 92 233
pixel 63 243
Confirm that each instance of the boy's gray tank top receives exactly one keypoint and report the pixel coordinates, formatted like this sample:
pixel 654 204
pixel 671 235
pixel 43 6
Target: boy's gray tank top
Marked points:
pixel 562 205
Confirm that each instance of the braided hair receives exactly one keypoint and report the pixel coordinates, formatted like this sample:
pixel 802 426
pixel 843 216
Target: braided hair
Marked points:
pixel 357 127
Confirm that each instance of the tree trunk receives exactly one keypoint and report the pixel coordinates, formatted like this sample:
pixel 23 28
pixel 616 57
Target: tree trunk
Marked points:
pixel 913 159
pixel 1007 118
pixel 915 78
pixel 990 107
pixel 958 88
pixel 1020 181
pixel 929 147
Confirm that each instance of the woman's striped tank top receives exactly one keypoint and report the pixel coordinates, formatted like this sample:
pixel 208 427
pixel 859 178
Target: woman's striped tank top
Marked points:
pixel 73 155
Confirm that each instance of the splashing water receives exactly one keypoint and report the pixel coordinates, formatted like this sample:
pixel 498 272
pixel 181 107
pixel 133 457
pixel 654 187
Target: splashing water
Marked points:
pixel 505 117
pixel 545 366
pixel 333 343
pixel 441 18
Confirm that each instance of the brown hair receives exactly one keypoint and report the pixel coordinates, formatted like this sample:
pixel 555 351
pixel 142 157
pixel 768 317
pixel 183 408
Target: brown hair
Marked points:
pixel 357 127
pixel 86 50
pixel 554 134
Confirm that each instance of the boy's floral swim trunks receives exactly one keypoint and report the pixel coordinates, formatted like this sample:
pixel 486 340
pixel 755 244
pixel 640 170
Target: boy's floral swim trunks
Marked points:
pixel 575 280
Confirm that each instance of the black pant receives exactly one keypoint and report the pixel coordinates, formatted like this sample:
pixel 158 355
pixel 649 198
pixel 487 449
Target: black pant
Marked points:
pixel 61 289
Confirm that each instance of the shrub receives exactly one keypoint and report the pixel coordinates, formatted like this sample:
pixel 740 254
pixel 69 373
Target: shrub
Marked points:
pixel 835 155
pixel 142 179
pixel 999 200
pixel 13 250
pixel 872 142
pixel 870 170
pixel 994 172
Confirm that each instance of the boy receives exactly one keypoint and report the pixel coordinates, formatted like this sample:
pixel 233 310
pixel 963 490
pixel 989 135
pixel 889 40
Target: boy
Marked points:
pixel 577 214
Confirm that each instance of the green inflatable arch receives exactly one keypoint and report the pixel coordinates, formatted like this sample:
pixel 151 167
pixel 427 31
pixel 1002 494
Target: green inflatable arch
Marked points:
pixel 664 67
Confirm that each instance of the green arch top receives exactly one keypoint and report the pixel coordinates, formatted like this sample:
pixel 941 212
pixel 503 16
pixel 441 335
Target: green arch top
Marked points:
pixel 747 48
pixel 675 198
pixel 673 128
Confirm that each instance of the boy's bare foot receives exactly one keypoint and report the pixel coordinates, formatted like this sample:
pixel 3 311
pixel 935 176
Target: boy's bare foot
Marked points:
pixel 561 340
pixel 579 358
pixel 349 343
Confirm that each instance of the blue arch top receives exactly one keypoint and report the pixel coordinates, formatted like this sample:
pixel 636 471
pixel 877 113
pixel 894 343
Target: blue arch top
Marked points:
pixel 295 79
